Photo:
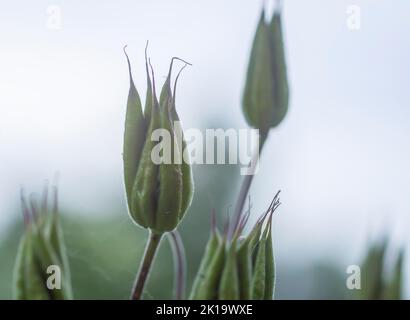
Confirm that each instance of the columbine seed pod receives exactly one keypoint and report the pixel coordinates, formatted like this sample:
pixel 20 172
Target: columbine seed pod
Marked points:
pixel 270 267
pixel 266 94
pixel 239 268
pixel 208 288
pixel 375 282
pixel 42 246
pixel 229 286
pixel 259 269
pixel 210 249
pixel 372 272
pixel 158 195
pixel 394 286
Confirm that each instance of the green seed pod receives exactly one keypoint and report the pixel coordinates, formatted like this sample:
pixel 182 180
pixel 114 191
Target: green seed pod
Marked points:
pixel 270 266
pixel 254 240
pixel 20 269
pixel 394 287
pixel 158 194
pixel 41 247
pixel 241 267
pixel 266 93
pixel 208 288
pixel 34 286
pixel 229 286
pixel 244 269
pixel 210 250
pixel 146 184
pixel 134 136
pixel 170 175
pixel 186 169
pixel 372 272
pixel 246 251
pixel 281 84
pixel 259 270
pixel 53 234
pixel 46 256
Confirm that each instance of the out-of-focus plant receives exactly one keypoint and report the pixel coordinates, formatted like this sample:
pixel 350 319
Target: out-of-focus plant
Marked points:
pixel 376 282
pixel 42 270
pixel 266 93
pixel 158 195
pixel 239 268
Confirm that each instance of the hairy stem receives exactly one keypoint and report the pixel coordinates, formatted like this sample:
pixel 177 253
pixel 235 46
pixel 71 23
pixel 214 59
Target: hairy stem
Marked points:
pixel 149 255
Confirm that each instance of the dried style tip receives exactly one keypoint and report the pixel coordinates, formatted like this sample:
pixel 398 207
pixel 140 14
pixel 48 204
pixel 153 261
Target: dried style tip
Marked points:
pixel 129 66
pixel 175 84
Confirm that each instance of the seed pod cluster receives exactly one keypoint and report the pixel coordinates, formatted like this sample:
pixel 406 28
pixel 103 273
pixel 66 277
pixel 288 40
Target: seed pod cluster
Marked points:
pixel 241 267
pixel 41 247
pixel 376 283
pixel 158 195
pixel 266 94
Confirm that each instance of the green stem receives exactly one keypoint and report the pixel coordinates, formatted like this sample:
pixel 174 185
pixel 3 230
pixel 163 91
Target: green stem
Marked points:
pixel 246 184
pixel 149 255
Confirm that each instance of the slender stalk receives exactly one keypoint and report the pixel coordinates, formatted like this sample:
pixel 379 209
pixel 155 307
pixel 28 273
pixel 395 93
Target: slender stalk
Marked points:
pixel 149 255
pixel 246 184
pixel 178 253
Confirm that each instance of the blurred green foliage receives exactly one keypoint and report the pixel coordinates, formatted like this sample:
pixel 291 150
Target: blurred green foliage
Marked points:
pixel 376 281
pixel 104 252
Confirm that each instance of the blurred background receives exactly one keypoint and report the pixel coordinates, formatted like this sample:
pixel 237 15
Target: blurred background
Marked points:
pixel 340 157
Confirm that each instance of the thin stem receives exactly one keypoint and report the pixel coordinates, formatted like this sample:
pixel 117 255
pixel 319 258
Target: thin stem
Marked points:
pixel 246 184
pixel 178 253
pixel 149 255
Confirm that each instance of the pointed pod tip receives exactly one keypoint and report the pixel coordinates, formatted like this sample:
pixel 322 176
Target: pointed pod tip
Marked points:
pixel 129 65
pixel 154 93
pixel 175 84
pixel 146 52
pixel 182 60
pixel 263 11
pixel 171 65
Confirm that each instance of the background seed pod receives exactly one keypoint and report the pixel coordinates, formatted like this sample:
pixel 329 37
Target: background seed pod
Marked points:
pixel 266 93
pixel 41 246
